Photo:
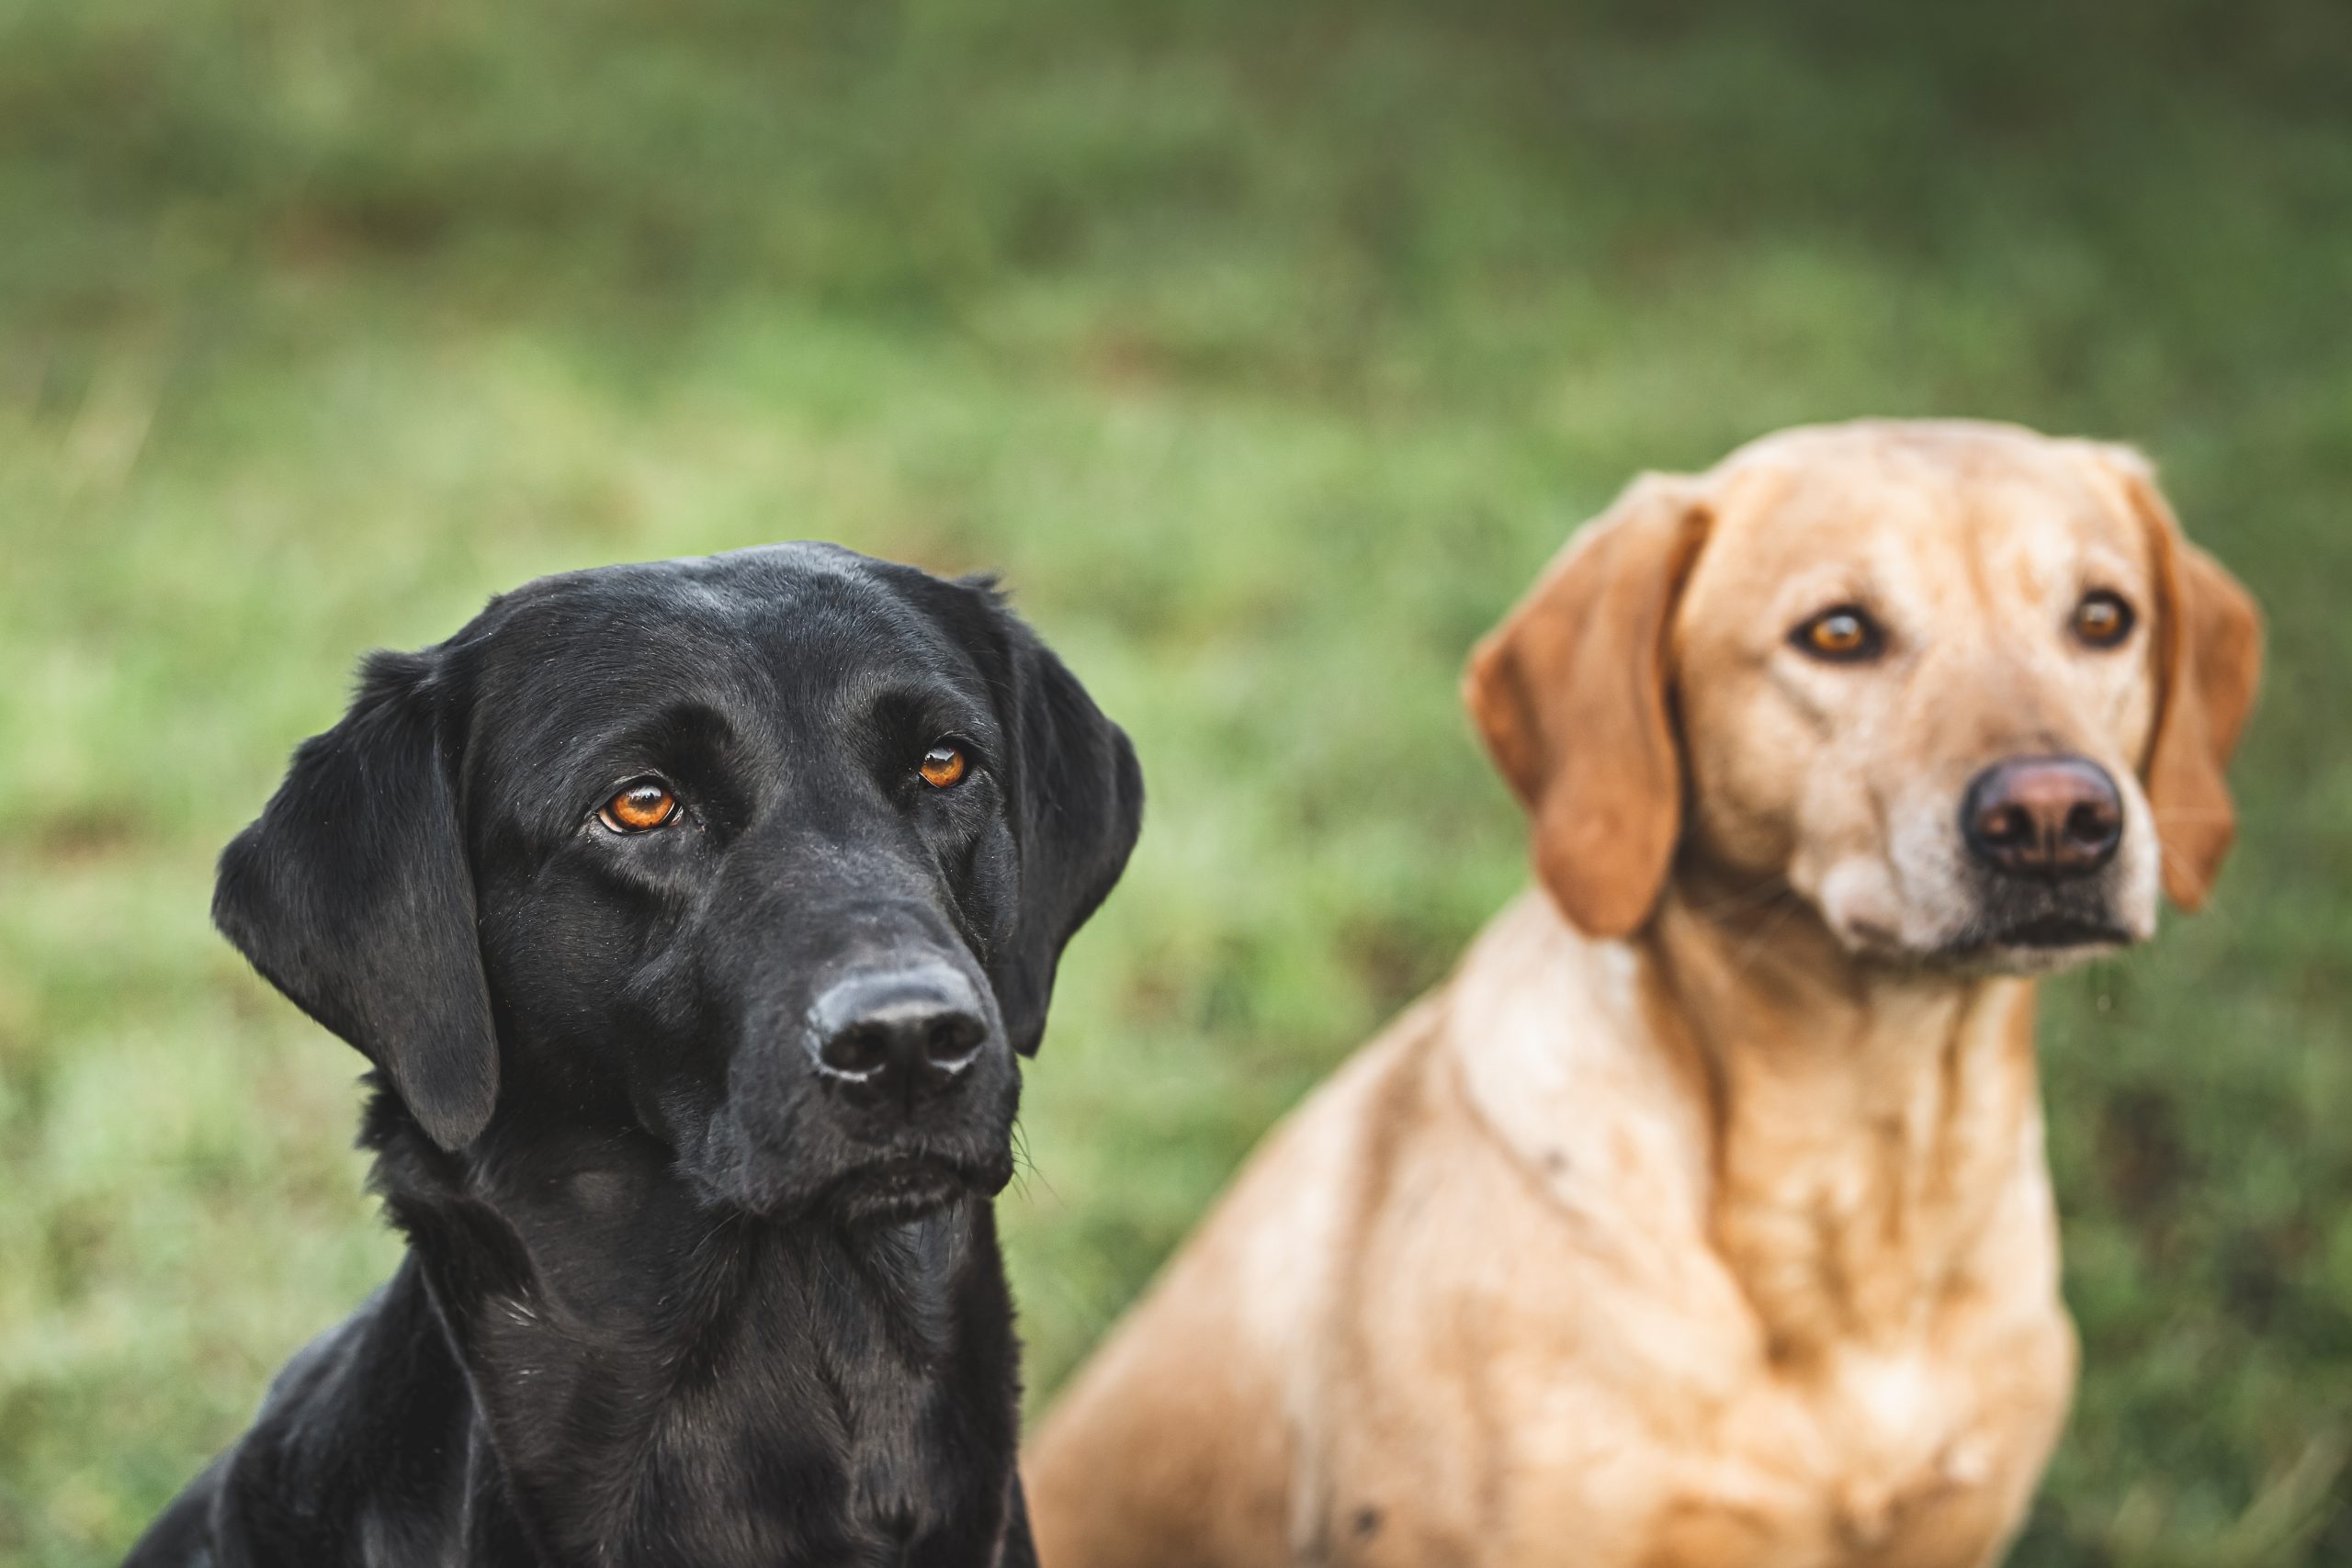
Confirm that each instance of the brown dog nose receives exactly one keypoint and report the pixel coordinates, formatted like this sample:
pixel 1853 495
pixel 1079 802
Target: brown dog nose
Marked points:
pixel 2045 817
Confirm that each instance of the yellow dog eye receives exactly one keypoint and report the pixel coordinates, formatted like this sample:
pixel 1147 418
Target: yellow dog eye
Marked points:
pixel 943 765
pixel 1842 634
pixel 641 807
pixel 2102 619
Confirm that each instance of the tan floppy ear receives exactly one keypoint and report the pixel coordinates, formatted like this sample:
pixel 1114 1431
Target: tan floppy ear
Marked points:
pixel 2208 661
pixel 1571 695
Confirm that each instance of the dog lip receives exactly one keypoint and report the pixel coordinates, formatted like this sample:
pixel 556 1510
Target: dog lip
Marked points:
pixel 907 1185
pixel 2054 932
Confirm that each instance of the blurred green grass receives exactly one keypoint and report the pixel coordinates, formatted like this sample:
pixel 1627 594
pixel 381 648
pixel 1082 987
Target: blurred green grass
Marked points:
pixel 1268 350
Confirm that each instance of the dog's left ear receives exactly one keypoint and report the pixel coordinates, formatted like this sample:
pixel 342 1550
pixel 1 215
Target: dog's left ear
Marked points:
pixel 2209 663
pixel 353 895
pixel 1078 805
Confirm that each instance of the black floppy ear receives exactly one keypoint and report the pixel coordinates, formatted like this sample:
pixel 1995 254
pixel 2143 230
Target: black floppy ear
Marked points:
pixel 1079 804
pixel 351 894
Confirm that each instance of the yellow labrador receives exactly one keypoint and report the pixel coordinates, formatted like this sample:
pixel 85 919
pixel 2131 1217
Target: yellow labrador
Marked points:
pixel 1702 1219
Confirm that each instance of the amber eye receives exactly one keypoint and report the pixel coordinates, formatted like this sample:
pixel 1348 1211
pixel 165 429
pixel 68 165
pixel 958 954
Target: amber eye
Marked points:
pixel 2102 619
pixel 1843 634
pixel 943 765
pixel 641 807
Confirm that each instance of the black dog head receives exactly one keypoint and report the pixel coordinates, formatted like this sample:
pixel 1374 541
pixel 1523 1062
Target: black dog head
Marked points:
pixel 769 855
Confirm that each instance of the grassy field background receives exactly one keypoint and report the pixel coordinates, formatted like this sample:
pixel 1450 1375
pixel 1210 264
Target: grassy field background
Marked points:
pixel 1268 350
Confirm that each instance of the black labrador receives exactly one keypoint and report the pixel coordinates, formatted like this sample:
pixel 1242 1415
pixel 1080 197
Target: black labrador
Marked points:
pixel 691 914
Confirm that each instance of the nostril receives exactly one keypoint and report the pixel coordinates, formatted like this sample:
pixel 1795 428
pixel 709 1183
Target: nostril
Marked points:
pixel 2093 825
pixel 951 1042
pixel 858 1052
pixel 2006 825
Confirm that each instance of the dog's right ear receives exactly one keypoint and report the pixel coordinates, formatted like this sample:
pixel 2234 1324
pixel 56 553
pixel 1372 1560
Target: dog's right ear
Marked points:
pixel 351 894
pixel 1571 695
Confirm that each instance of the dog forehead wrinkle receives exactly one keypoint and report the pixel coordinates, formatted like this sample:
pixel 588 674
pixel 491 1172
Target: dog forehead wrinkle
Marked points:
pixel 1785 550
pixel 881 645
pixel 2022 554
pixel 545 687
pixel 817 661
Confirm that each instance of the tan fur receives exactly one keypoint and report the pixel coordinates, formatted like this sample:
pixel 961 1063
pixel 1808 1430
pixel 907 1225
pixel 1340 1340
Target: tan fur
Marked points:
pixel 1702 1219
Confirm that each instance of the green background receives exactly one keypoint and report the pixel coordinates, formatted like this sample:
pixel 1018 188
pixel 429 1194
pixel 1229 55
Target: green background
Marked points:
pixel 1268 349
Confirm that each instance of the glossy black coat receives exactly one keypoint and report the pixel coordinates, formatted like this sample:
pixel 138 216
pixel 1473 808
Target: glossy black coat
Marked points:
pixel 674 1294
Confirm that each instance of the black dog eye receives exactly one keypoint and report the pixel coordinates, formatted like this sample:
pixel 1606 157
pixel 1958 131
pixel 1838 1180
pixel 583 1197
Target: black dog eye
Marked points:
pixel 639 808
pixel 2102 619
pixel 943 766
pixel 1843 634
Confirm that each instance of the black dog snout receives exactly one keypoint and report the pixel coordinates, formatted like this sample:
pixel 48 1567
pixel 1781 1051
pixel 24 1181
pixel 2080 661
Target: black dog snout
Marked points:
pixel 2049 817
pixel 900 1029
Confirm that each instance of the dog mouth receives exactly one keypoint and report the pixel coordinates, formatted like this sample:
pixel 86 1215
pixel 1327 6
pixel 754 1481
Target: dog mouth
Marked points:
pixel 901 1186
pixel 2036 942
pixel 2049 931
pixel 2023 926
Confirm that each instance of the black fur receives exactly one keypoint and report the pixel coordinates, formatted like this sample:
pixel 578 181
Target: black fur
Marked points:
pixel 674 1296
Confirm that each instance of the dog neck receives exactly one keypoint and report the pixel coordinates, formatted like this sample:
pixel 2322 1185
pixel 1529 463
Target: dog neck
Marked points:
pixel 638 1358
pixel 1876 1126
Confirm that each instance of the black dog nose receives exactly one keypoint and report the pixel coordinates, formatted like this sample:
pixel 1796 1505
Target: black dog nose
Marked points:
pixel 905 1027
pixel 2044 817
